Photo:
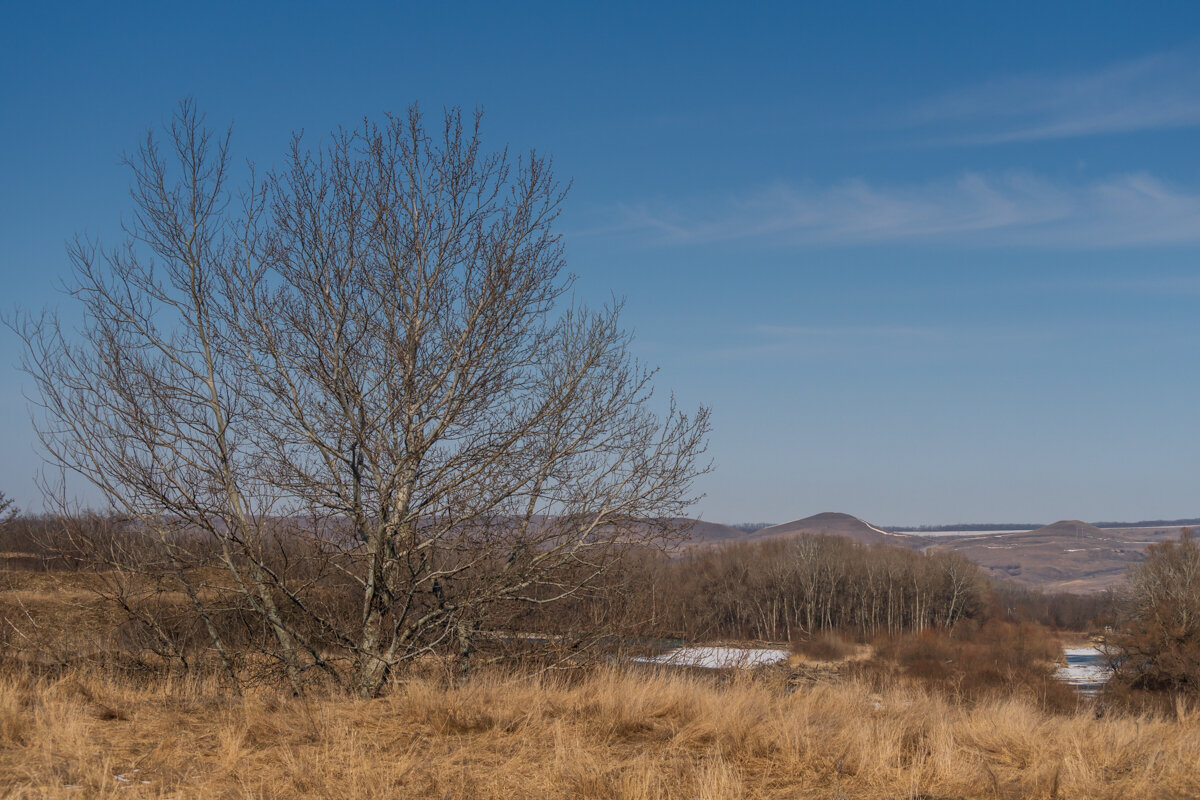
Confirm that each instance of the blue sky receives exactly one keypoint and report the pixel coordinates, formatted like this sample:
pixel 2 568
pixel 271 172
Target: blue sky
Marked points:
pixel 927 263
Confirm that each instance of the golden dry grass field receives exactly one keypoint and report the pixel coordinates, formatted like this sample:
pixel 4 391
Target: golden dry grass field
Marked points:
pixel 606 734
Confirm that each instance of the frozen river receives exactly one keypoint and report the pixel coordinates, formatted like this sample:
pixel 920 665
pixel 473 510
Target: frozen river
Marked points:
pixel 1086 669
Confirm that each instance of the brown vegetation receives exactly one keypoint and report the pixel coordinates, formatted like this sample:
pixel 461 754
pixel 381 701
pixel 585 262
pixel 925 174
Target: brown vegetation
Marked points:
pixel 1157 648
pixel 968 711
pixel 782 589
pixel 604 735
pixel 997 659
pixel 808 591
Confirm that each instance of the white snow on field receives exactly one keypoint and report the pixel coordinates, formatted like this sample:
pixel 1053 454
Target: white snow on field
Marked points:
pixel 718 657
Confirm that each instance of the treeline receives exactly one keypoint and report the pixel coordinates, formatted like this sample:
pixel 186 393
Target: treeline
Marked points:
pixel 1059 610
pixel 774 590
pixel 1151 523
pixel 781 589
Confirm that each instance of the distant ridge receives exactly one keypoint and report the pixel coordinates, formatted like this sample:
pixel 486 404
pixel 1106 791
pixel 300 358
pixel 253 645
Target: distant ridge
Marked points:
pixel 1152 523
pixel 831 523
pixel 990 527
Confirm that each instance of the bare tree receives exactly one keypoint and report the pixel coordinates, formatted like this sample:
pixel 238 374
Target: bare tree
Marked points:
pixel 364 383
pixel 1157 644
pixel 8 508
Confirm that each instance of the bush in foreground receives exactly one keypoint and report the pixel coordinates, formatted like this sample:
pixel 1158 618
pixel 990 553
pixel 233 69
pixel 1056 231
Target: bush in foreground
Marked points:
pixel 997 659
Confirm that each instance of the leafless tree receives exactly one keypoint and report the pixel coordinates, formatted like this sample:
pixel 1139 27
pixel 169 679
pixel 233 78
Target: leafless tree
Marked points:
pixel 780 589
pixel 8 508
pixel 363 385
pixel 1157 644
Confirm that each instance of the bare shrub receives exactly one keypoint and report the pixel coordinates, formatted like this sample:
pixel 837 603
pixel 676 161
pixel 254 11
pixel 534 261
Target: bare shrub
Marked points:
pixel 997 658
pixel 1157 646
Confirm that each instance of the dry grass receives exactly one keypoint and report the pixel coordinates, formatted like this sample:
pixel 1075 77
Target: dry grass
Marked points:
pixel 610 734
pixel 82 728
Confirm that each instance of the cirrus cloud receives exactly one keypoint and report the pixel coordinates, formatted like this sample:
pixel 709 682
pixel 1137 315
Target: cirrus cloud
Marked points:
pixel 1155 92
pixel 1133 209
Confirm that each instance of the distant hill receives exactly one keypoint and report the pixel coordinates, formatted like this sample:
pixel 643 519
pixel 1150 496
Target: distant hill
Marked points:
pixel 831 523
pixel 1067 556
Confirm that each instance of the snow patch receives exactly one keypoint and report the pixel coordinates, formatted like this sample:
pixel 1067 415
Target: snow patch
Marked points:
pixel 718 657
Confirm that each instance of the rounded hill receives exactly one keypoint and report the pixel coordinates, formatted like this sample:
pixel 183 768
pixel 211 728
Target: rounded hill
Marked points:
pixel 831 523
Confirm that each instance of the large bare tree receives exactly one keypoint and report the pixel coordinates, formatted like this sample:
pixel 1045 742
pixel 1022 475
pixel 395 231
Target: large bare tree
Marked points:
pixel 361 386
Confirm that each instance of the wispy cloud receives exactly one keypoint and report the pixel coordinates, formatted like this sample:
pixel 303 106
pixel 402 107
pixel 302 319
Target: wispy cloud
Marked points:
pixel 1156 92
pixel 971 209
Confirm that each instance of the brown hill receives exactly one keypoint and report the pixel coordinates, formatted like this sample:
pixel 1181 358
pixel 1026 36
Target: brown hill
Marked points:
pixel 1068 556
pixel 831 523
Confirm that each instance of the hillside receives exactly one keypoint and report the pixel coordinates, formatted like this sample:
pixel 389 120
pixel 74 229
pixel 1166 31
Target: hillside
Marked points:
pixel 835 524
pixel 709 533
pixel 1067 556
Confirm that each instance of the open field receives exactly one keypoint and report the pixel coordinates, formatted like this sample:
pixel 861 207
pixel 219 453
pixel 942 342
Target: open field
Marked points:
pixel 607 734
pixel 87 711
